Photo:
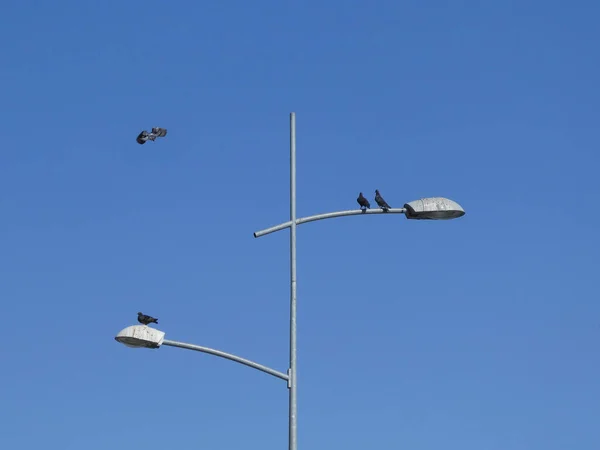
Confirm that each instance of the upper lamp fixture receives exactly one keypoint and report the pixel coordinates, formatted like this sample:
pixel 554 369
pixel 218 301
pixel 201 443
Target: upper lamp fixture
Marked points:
pixel 433 208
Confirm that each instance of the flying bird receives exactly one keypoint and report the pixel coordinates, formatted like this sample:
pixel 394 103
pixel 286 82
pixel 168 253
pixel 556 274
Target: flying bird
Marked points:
pixel 363 202
pixel 146 320
pixel 145 136
pixel 381 202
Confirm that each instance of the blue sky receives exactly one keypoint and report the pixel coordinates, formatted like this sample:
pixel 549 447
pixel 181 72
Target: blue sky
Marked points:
pixel 475 334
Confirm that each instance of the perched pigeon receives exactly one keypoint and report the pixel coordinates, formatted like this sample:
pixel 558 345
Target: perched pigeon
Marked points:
pixel 146 320
pixel 363 202
pixel 145 136
pixel 381 202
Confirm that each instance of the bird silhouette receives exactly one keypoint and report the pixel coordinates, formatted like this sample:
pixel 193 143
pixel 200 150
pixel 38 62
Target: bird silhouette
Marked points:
pixel 144 136
pixel 363 202
pixel 146 320
pixel 381 202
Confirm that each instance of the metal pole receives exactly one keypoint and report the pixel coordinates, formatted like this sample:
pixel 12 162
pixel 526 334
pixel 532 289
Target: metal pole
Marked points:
pixel 229 356
pixel 292 380
pixel 331 215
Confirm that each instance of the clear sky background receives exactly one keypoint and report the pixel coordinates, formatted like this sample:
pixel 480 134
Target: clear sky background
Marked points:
pixel 475 334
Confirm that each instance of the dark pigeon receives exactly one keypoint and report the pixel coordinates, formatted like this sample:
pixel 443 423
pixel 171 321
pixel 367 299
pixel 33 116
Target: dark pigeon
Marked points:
pixel 146 320
pixel 363 202
pixel 381 202
pixel 145 136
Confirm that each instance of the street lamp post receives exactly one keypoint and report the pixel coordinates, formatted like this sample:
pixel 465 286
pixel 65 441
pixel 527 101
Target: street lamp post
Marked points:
pixel 436 208
pixel 292 382
pixel 143 336
pixel 432 208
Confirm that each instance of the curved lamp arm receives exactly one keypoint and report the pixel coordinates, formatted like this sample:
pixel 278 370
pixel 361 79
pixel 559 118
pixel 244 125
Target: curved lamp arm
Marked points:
pixel 229 356
pixel 331 215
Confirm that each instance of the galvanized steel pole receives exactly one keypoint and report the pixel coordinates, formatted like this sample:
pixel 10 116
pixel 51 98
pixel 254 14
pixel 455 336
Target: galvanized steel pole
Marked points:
pixel 330 215
pixel 229 356
pixel 292 380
